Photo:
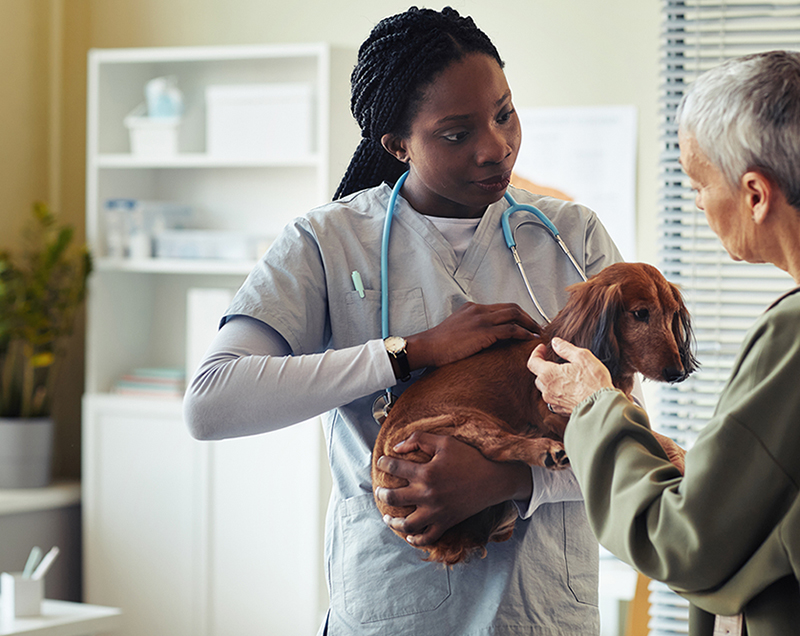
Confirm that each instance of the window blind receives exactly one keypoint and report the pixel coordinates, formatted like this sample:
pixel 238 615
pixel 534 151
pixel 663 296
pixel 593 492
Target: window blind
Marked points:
pixel 724 297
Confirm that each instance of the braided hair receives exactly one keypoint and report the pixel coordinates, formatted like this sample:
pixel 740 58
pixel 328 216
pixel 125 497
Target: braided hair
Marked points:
pixel 401 57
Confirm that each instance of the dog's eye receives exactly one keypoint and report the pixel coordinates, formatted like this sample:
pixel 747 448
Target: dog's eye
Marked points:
pixel 642 315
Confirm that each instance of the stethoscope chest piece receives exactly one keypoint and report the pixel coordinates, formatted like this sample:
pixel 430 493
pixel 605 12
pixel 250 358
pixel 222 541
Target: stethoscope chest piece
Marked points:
pixel 382 405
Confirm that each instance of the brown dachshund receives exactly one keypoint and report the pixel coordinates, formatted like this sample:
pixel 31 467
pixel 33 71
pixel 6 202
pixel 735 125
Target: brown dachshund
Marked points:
pixel 628 315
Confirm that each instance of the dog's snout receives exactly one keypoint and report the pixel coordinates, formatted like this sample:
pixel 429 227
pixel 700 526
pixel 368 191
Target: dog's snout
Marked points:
pixel 673 374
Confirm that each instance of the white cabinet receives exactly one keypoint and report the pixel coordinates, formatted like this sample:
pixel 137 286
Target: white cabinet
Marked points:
pixel 188 537
pixel 194 538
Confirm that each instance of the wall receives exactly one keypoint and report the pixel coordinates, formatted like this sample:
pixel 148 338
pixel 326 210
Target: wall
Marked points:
pixel 42 57
pixel 558 53
pixel 25 104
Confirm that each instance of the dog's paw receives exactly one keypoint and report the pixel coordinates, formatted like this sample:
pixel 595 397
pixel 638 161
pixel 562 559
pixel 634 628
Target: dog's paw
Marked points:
pixel 556 458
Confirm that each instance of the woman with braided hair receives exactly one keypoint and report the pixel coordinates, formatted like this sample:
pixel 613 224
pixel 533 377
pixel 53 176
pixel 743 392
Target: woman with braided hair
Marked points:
pixel 301 340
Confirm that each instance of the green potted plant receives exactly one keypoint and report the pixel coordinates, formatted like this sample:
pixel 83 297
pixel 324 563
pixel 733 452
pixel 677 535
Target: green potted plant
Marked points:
pixel 40 291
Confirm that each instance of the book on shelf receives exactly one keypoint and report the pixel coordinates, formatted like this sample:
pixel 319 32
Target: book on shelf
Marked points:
pixel 152 382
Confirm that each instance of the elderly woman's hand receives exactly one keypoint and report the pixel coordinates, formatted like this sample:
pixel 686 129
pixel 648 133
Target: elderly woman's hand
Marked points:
pixel 564 386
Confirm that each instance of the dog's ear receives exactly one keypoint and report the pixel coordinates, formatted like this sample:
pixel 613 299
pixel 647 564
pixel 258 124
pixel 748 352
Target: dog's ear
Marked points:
pixel 684 334
pixel 604 344
pixel 589 318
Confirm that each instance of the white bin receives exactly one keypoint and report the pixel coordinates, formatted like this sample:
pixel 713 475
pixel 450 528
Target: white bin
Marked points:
pixel 272 122
pixel 152 136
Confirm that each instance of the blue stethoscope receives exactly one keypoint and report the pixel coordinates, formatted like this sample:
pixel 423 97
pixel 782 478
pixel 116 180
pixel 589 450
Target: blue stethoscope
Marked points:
pixel 384 402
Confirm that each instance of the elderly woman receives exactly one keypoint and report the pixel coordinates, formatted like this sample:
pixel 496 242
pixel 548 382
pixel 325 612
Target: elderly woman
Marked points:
pixel 726 534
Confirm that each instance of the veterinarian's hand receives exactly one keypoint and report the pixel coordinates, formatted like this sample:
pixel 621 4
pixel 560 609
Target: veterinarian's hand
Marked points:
pixel 468 330
pixel 455 484
pixel 564 386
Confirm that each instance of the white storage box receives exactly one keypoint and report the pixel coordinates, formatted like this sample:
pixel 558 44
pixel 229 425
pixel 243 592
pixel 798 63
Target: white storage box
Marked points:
pixel 216 244
pixel 271 122
pixel 152 136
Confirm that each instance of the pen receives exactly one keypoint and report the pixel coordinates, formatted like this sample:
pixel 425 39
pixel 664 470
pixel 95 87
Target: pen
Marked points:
pixel 33 559
pixel 47 561
pixel 357 283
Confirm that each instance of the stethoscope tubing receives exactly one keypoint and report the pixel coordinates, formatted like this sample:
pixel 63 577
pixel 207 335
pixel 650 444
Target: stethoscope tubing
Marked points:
pixel 511 243
pixel 387 229
pixel 508 235
pixel 511 240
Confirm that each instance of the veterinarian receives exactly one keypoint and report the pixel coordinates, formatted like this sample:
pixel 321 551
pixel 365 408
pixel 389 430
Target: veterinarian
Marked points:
pixel 727 534
pixel 303 337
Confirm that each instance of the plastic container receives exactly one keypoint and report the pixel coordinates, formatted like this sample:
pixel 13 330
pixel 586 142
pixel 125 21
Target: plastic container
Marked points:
pixel 131 225
pixel 259 121
pixel 207 244
pixel 152 136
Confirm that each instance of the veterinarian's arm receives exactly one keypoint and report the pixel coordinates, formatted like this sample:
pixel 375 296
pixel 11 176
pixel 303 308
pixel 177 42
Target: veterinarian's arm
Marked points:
pixel 468 330
pixel 549 486
pixel 437 505
pixel 249 384
pixel 455 484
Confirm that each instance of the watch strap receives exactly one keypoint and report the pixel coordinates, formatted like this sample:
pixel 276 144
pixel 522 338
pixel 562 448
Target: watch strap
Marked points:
pixel 402 368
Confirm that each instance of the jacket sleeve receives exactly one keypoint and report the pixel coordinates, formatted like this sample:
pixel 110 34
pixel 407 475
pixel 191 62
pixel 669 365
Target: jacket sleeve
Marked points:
pixel 697 532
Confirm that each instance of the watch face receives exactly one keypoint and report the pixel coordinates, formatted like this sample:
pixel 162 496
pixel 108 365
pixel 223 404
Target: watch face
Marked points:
pixel 395 344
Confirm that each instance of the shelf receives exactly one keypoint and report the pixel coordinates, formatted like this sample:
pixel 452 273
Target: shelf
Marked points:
pixel 205 54
pixel 139 405
pixel 174 266
pixel 57 495
pixel 200 160
pixel 63 618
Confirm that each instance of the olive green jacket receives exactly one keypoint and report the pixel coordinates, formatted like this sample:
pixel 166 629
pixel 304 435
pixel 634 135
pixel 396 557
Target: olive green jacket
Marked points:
pixel 727 534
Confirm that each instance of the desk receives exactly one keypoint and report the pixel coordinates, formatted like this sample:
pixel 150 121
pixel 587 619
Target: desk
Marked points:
pixel 62 618
pixel 45 517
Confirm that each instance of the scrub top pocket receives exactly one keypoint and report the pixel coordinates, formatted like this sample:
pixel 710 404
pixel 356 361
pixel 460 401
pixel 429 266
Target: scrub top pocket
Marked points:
pixel 380 573
pixel 363 315
pixel 582 554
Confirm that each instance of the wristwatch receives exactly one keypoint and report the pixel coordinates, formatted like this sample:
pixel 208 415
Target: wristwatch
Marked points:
pixel 396 348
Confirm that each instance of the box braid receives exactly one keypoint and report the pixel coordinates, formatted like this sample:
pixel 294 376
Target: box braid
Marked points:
pixel 401 57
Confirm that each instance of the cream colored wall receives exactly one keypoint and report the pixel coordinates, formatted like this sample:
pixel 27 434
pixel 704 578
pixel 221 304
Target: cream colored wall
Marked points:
pixel 43 47
pixel 24 107
pixel 558 52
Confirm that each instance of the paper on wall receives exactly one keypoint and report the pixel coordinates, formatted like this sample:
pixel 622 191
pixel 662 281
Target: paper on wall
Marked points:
pixel 588 153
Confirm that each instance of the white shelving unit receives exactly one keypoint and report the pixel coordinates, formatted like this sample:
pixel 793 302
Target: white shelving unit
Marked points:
pixel 187 537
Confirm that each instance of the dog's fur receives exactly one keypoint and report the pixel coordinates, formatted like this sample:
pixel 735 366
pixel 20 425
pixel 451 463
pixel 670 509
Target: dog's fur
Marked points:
pixel 628 315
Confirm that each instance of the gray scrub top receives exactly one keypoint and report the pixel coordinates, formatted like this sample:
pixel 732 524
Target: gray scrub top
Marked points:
pixel 544 579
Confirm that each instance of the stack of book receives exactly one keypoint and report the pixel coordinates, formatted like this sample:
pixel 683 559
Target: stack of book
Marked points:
pixel 155 382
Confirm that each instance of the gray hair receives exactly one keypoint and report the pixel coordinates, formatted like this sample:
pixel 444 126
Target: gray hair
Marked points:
pixel 745 115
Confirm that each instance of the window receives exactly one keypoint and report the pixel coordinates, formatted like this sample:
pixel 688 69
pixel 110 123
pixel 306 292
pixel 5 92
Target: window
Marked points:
pixel 723 297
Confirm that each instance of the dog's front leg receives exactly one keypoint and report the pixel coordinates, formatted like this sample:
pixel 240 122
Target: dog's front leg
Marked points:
pixel 490 436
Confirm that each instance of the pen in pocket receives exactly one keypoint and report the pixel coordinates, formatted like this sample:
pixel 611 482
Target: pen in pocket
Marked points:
pixel 357 283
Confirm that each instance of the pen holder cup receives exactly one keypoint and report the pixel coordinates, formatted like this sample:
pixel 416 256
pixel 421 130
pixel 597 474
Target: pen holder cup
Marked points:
pixel 20 596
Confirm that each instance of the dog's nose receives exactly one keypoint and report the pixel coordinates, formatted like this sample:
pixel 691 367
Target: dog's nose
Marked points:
pixel 672 374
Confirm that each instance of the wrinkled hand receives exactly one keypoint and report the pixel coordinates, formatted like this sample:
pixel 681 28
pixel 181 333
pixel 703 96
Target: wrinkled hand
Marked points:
pixel 468 330
pixel 675 453
pixel 564 386
pixel 455 484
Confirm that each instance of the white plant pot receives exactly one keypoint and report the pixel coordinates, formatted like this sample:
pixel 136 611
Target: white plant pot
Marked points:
pixel 26 450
